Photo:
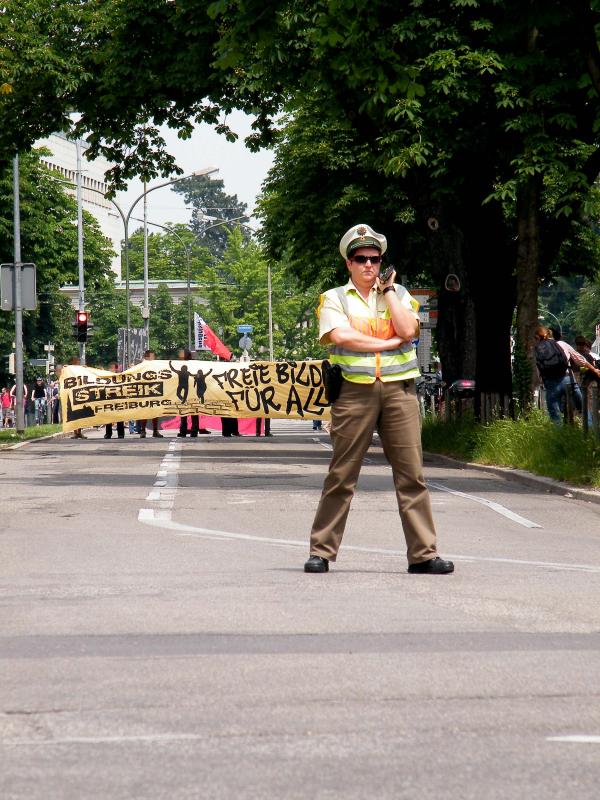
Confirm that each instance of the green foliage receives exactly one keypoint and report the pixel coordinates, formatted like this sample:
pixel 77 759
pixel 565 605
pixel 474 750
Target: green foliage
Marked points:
pixel 522 376
pixel 170 254
pixel 532 443
pixel 108 314
pixel 587 314
pixel 168 324
pixel 211 206
pixel 49 240
pixel 236 291
pixel 41 50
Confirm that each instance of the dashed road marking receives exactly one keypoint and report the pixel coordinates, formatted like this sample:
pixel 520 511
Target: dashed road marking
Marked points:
pixel 579 739
pixel 497 507
pixel 165 486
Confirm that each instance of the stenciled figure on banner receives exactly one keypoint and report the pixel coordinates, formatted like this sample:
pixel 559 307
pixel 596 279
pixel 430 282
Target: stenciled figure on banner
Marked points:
pixel 282 389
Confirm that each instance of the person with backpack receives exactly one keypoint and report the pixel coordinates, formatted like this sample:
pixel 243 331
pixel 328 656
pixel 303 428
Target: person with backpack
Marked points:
pixel 553 360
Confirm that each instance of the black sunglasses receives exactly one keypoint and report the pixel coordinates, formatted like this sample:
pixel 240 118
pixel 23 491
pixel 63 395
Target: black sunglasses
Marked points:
pixel 364 259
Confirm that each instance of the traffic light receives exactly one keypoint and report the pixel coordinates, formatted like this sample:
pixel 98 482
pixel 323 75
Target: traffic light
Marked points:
pixel 80 326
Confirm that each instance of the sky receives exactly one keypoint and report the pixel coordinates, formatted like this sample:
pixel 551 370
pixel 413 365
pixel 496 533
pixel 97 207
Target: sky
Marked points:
pixel 242 171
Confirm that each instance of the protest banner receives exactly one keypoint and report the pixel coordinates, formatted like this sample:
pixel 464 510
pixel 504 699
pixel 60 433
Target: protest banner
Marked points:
pixel 270 389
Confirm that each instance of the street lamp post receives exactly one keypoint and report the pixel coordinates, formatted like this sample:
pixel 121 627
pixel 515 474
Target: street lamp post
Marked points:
pixel 197 173
pixel 125 219
pixel 548 313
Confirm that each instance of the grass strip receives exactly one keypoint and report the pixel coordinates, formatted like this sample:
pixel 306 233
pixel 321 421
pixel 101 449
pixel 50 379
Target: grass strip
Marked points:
pixel 532 443
pixel 9 436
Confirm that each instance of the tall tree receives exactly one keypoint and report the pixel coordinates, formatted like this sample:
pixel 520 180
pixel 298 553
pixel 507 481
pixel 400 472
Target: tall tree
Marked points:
pixel 477 110
pixel 236 291
pixel 211 205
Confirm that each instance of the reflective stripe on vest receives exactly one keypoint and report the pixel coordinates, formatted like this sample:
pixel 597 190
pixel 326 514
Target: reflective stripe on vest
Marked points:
pixel 399 364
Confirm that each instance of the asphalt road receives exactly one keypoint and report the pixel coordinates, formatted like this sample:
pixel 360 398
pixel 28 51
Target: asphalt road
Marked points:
pixel 159 639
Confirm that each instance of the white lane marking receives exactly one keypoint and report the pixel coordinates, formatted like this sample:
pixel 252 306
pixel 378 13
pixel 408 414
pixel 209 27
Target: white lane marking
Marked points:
pixel 499 509
pixel 156 737
pixel 165 487
pixel 162 519
pixel 575 739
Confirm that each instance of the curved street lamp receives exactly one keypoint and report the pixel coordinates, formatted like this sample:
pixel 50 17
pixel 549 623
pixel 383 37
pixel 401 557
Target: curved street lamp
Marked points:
pixel 125 219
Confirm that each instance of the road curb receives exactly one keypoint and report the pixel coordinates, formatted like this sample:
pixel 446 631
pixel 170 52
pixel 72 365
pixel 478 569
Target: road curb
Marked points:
pixel 522 476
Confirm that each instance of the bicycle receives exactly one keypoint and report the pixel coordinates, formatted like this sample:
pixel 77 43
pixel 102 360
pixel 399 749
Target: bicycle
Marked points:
pixel 40 410
pixel 430 394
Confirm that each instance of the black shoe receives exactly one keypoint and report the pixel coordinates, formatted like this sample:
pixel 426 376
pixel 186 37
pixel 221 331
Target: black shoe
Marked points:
pixel 121 436
pixel 435 566
pixel 181 435
pixel 106 436
pixel 316 564
pixel 157 435
pixel 143 435
pixel 194 435
pixel 203 430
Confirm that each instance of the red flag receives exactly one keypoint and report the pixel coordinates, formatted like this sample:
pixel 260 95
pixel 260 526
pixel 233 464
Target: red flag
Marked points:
pixel 207 339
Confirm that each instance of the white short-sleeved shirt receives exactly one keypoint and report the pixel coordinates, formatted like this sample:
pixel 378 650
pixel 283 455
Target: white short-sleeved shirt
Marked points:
pixel 331 313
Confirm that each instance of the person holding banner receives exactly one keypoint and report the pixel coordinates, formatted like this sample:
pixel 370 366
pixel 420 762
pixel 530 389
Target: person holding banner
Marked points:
pixel 370 324
pixel 150 355
pixel 182 393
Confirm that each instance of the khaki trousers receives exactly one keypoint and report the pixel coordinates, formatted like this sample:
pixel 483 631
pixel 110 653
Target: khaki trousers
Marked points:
pixel 393 409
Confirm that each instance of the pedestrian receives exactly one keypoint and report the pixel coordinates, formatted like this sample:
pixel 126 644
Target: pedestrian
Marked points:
pixel 370 324
pixel 182 392
pixel 114 368
pixel 13 398
pixel 229 427
pixel 585 376
pixel 5 405
pixel 77 433
pixel 583 345
pixel 55 395
pixel 39 396
pixel 553 360
pixel 150 355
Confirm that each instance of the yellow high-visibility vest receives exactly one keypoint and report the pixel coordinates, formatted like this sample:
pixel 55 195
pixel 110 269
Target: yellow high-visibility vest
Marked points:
pixel 390 365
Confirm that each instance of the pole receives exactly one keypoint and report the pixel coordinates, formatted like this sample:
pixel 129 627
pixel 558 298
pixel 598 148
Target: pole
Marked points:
pixel 188 251
pixel 146 310
pixel 127 305
pixel 19 408
pixel 80 243
pixel 270 313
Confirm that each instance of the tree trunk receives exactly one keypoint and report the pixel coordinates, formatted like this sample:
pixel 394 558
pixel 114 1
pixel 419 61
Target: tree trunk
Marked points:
pixel 456 331
pixel 527 271
pixel 474 323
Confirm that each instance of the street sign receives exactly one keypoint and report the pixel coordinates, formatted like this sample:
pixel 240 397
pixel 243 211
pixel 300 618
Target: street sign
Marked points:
pixel 7 287
pixel 40 362
pixel 245 342
pixel 245 328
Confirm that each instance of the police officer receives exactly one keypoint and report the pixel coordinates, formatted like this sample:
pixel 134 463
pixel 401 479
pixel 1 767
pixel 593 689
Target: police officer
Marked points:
pixel 370 325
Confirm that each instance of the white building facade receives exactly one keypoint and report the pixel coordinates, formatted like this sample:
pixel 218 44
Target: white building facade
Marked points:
pixel 63 159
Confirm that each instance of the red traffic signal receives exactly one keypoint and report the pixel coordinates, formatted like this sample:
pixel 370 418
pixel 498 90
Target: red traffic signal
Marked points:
pixel 82 319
